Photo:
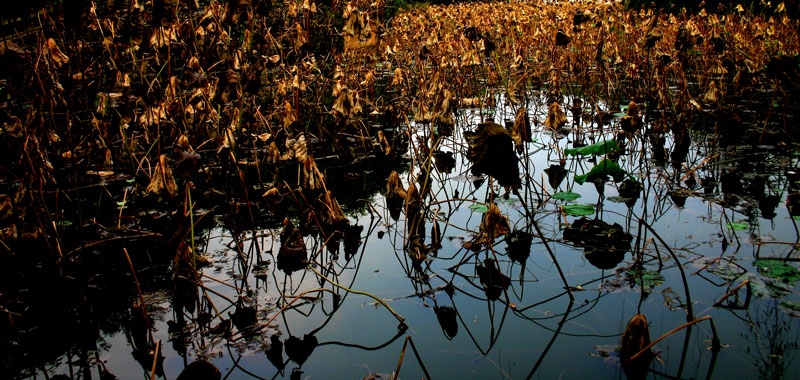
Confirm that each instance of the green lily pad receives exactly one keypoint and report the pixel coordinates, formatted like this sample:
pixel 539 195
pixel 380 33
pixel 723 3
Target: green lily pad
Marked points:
pixel 602 147
pixel 566 196
pixel 648 280
pixel 477 207
pixel 617 199
pixel 578 209
pixel 778 270
pixel 796 217
pixel 738 226
pixel 603 168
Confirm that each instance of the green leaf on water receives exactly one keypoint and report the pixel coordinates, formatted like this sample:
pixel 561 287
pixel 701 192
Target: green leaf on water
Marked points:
pixel 566 196
pixel 131 180
pixel 603 168
pixel 796 217
pixel 617 199
pixel 578 209
pixel 738 226
pixel 477 207
pixel 777 269
pixel 649 279
pixel 602 147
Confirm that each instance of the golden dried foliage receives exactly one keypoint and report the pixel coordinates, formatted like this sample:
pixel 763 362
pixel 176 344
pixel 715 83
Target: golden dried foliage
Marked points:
pixel 162 179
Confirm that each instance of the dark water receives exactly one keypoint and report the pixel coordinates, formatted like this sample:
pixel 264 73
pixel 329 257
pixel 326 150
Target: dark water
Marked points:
pixel 461 324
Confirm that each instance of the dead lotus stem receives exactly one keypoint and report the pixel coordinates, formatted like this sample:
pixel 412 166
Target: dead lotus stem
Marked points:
pixel 155 360
pixel 208 289
pixel 700 165
pixel 399 318
pixel 141 296
pixel 297 297
pixel 715 344
pixel 733 291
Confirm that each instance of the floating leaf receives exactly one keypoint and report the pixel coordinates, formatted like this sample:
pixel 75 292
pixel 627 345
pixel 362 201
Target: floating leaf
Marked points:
pixel 477 207
pixel 617 199
pixel 603 168
pixel 602 147
pixel 738 226
pixel 778 269
pixel 649 279
pixel 566 196
pixel 578 209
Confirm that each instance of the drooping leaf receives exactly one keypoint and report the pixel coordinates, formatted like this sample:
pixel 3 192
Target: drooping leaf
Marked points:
pixel 566 196
pixel 519 246
pixel 635 338
pixel 600 171
pixel 555 175
pixel 493 224
pixel 602 147
pixel 493 281
pixel 491 151
pixel 578 209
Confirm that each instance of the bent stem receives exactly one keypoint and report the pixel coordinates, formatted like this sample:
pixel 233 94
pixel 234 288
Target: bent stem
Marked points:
pixel 690 315
pixel 399 318
pixel 416 354
pixel 715 344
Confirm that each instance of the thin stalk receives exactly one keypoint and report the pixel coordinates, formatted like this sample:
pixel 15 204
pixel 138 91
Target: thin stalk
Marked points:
pixel 399 318
pixel 715 344
pixel 141 296
pixel 690 315
pixel 155 360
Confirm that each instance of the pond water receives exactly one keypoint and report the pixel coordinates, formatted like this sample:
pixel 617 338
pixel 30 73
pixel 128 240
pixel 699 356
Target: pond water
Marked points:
pixel 471 308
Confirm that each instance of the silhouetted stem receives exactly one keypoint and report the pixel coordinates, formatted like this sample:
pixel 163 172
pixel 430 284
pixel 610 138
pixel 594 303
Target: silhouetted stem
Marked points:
pixel 690 315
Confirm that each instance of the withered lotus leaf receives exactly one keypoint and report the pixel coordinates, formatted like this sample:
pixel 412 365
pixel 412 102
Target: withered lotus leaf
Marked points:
pixel 292 255
pixel 162 179
pixel 493 281
pixel 491 151
pixel 522 129
pixel 494 224
pixel 635 338
pixel 395 195
pixel 556 117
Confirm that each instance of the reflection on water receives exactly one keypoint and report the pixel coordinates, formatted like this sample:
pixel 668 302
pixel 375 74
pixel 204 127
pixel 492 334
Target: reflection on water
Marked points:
pixel 449 273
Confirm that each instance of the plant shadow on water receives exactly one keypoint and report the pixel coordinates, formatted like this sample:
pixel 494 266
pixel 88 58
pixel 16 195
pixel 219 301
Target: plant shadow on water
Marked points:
pixel 249 190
